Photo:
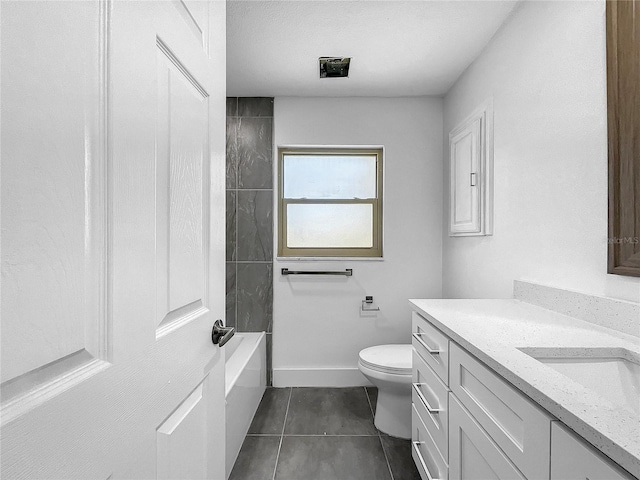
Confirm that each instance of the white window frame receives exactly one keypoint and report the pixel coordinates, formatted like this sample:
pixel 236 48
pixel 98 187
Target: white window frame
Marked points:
pixel 327 253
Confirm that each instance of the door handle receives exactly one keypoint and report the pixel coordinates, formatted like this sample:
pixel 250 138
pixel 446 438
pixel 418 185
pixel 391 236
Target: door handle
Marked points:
pixel 423 399
pixel 432 351
pixel 416 446
pixel 221 334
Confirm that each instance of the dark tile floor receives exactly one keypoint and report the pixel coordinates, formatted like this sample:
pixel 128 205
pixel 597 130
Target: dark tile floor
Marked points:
pixel 321 434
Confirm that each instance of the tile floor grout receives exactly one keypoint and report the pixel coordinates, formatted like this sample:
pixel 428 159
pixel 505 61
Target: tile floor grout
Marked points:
pixel 284 425
pixel 267 448
pixel 384 451
pixel 310 435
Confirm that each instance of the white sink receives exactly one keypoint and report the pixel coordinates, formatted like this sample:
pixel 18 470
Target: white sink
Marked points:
pixel 613 373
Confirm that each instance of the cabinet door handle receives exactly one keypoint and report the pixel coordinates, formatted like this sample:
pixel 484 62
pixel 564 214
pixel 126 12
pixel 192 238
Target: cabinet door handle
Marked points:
pixel 473 179
pixel 416 446
pixel 422 342
pixel 430 409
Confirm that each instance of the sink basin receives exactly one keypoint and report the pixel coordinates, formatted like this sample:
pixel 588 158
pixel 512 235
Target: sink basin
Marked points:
pixel 613 373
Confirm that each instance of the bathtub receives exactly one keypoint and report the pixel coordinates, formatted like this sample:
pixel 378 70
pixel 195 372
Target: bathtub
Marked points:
pixel 245 382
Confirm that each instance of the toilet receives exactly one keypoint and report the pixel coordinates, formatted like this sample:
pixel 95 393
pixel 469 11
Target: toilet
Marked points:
pixel 388 367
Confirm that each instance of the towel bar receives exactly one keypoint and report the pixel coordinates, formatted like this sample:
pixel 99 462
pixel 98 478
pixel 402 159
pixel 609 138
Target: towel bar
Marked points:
pixel 347 273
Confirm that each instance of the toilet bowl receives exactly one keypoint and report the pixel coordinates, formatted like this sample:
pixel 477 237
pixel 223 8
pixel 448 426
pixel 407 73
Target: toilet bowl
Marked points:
pixel 388 367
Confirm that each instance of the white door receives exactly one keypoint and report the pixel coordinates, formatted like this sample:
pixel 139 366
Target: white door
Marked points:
pixel 465 151
pixel 112 191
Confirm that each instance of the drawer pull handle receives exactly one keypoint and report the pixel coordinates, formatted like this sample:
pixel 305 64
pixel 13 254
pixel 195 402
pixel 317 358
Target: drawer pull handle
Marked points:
pixel 422 342
pixel 416 447
pixel 430 409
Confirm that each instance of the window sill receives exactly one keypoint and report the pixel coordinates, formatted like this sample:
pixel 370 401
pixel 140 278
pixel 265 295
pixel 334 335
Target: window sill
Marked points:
pixel 329 259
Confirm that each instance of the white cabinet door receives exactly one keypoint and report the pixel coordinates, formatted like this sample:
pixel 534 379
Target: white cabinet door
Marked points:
pixel 465 151
pixel 471 174
pixel 472 453
pixel 113 121
pixel 517 425
pixel 571 459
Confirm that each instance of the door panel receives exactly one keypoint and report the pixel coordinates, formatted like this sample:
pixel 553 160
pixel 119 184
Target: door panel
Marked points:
pixel 54 325
pixel 182 216
pixel 465 162
pixel 572 459
pixel 472 453
pixel 196 16
pixel 515 423
pixel 177 457
pixel 113 163
pixel 464 154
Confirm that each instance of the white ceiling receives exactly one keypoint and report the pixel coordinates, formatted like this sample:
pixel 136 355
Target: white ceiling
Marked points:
pixel 398 48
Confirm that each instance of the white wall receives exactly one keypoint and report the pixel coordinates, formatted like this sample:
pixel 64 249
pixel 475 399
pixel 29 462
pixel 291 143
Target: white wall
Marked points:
pixel 318 329
pixel 545 69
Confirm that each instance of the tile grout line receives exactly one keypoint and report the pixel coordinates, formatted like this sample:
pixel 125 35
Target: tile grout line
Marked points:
pixel 286 414
pixel 310 435
pixel 369 402
pixel 251 116
pixel 384 451
pixel 237 174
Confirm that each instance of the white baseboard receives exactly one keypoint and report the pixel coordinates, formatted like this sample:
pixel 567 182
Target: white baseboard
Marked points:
pixel 319 377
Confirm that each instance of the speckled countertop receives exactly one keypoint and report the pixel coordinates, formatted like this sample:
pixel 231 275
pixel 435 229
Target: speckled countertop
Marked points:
pixel 494 330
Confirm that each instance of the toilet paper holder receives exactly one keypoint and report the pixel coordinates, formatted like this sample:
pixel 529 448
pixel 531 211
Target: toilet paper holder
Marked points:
pixel 367 303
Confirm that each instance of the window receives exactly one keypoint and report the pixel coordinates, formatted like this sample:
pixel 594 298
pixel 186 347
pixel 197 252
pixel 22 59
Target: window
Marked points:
pixel 330 202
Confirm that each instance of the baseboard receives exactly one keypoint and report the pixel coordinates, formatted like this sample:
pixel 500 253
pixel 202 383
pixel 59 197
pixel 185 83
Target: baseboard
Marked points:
pixel 319 377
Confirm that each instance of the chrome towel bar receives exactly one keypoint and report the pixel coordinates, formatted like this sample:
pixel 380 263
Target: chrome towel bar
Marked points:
pixel 347 273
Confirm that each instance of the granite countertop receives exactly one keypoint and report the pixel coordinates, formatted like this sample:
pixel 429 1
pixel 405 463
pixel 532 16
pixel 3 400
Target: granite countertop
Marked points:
pixel 495 330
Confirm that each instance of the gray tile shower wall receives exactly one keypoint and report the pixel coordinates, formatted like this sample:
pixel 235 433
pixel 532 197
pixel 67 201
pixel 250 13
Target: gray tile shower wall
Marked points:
pixel 255 225
pixel 249 222
pixel 254 292
pixel 232 152
pixel 232 233
pixel 231 294
pixel 255 140
pixel 255 107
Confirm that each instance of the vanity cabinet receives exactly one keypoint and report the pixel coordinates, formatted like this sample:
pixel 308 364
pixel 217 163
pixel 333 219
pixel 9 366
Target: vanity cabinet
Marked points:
pixel 429 398
pixel 474 454
pixel 519 427
pixel 572 459
pixel 432 345
pixel 425 453
pixel 469 423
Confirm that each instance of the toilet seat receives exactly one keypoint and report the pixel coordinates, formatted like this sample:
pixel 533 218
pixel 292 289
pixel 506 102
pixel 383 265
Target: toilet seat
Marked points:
pixel 393 359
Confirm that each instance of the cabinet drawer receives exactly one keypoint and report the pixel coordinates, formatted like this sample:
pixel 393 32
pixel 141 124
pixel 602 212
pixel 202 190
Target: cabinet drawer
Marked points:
pixel 425 454
pixel 431 399
pixel 518 426
pixel 572 459
pixel 432 345
pixel 473 454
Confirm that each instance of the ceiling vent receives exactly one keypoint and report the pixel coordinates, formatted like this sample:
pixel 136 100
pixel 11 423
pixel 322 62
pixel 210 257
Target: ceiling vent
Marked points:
pixel 334 67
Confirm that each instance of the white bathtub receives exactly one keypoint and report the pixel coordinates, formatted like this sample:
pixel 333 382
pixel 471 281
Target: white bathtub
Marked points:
pixel 246 379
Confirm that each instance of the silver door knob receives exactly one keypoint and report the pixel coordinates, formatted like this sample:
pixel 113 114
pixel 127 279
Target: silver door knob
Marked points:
pixel 221 334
